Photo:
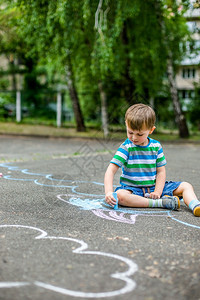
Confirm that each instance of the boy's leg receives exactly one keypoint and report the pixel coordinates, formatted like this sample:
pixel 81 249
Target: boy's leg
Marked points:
pixel 127 198
pixel 186 190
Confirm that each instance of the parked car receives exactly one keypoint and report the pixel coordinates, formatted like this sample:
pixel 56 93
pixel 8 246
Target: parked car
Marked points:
pixel 10 110
pixel 67 113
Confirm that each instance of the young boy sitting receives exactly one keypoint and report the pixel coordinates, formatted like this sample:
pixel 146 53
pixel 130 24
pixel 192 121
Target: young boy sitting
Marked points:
pixel 143 180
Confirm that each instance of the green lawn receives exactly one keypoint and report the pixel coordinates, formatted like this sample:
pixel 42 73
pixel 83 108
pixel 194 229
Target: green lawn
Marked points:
pixel 52 131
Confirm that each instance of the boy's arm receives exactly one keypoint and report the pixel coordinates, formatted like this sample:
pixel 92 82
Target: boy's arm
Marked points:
pixel 108 183
pixel 160 183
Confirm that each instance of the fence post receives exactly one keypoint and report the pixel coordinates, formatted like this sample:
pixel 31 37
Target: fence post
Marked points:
pixel 59 109
pixel 18 106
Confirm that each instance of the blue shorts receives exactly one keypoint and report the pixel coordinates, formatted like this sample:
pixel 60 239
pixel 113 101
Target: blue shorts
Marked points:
pixel 169 188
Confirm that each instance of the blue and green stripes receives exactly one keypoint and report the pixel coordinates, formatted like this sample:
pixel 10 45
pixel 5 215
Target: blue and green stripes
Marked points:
pixel 139 163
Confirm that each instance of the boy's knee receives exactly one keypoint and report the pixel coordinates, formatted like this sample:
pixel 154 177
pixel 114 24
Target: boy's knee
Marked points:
pixel 186 186
pixel 121 195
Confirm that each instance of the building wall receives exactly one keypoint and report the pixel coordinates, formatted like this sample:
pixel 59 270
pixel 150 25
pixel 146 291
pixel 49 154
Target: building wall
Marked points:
pixel 3 62
pixel 188 75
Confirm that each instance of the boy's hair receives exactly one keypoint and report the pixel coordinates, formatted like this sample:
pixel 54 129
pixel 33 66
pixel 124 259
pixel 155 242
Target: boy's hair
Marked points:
pixel 140 115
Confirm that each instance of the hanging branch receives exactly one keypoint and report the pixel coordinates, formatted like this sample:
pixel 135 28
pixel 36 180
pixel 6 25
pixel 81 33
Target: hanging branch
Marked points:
pixel 101 19
pixel 100 23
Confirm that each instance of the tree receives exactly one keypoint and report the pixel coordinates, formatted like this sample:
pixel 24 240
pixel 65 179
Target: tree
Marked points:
pixel 124 50
pixel 119 48
pixel 175 34
pixel 8 43
pixel 138 42
pixel 47 27
pixel 14 46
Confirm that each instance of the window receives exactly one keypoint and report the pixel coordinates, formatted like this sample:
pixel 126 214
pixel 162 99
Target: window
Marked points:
pixel 188 73
pixel 186 94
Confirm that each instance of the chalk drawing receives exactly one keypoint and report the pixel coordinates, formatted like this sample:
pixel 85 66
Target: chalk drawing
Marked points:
pixel 101 209
pixel 88 201
pixel 122 217
pixel 82 249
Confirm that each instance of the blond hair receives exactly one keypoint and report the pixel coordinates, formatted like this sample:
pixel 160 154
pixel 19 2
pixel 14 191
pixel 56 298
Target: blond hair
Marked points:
pixel 140 116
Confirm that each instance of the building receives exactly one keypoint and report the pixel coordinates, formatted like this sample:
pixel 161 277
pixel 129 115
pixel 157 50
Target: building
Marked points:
pixel 188 75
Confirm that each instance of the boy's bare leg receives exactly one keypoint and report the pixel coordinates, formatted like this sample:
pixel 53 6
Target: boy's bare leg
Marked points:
pixel 127 198
pixel 185 190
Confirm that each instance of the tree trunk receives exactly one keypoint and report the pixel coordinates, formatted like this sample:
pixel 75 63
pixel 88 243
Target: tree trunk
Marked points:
pixel 80 126
pixel 104 113
pixel 179 116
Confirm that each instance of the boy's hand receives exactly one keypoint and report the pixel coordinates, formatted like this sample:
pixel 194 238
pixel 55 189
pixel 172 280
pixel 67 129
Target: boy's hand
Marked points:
pixel 110 199
pixel 154 195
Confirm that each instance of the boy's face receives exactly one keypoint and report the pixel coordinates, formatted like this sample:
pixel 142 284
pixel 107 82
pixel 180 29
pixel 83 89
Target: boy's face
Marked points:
pixel 139 137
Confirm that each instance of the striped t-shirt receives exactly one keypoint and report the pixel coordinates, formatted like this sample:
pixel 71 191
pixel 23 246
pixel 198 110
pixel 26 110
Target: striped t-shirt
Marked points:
pixel 139 163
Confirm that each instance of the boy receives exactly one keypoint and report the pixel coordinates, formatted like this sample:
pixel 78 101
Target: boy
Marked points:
pixel 143 168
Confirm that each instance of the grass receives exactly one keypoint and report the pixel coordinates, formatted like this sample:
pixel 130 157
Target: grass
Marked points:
pixel 46 130
pixel 52 131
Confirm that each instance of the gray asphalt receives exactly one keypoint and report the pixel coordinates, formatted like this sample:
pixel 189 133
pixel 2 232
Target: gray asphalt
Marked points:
pixel 59 240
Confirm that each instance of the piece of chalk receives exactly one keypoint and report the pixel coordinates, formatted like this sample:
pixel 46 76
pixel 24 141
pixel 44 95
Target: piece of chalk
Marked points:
pixel 146 195
pixel 115 196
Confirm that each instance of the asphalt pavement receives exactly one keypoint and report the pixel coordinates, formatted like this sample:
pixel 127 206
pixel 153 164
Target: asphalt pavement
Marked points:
pixel 59 240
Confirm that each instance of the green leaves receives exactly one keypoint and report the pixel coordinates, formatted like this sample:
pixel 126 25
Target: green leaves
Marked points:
pixel 121 42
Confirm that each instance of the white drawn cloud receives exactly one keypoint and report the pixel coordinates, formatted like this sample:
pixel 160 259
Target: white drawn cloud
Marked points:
pixel 58 256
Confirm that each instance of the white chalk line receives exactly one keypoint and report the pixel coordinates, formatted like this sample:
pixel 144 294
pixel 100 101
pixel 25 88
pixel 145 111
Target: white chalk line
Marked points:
pixel 13 284
pixel 124 276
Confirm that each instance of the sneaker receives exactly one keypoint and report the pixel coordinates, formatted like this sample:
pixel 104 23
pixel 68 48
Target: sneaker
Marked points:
pixel 196 211
pixel 171 202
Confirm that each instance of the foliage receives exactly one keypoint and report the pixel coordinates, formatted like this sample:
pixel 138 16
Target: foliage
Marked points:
pixel 117 42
